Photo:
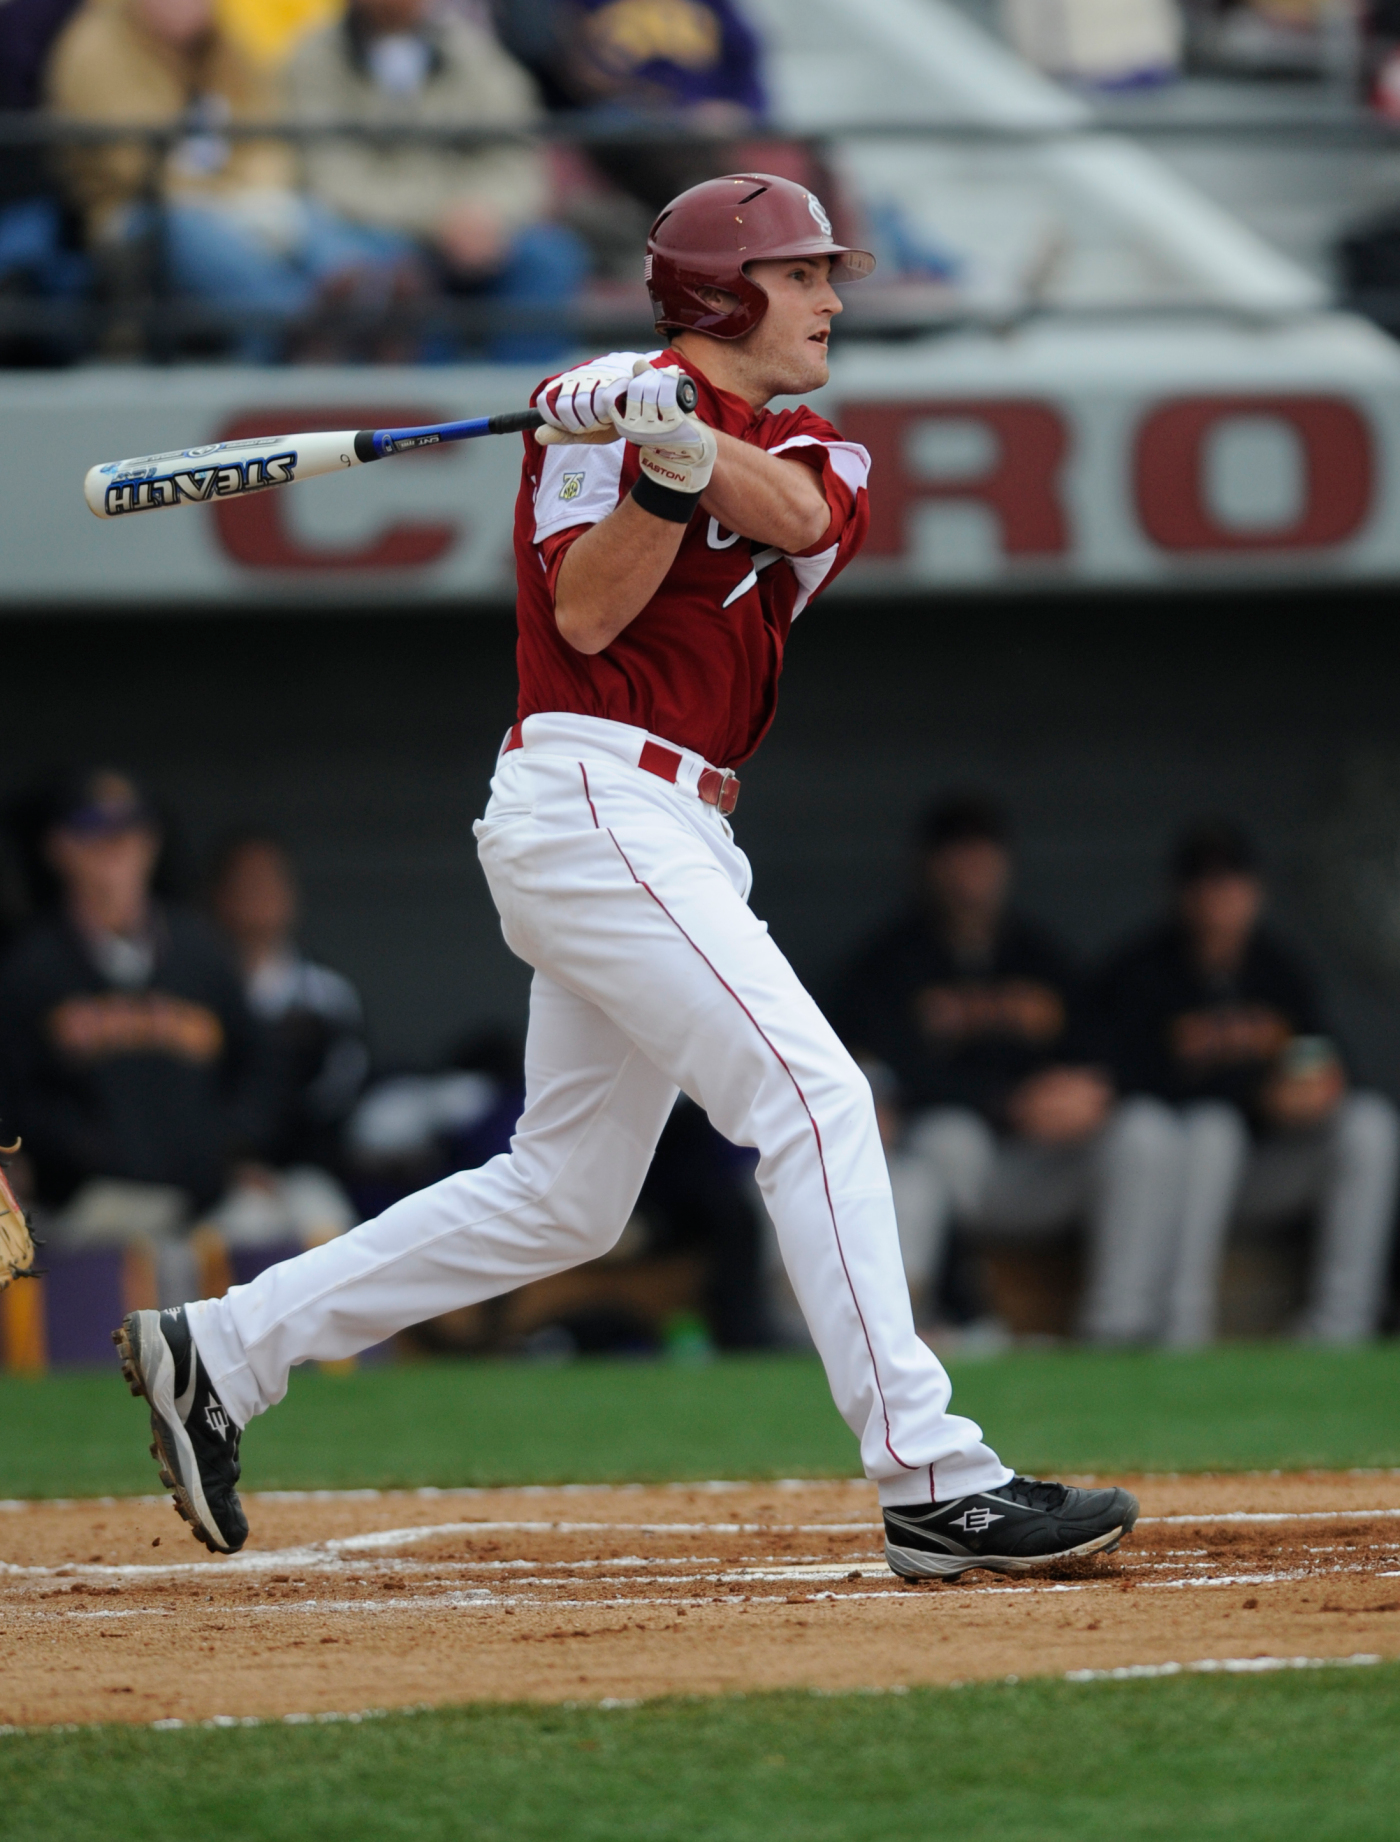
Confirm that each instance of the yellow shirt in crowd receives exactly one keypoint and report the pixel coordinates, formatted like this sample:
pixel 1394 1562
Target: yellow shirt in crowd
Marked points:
pixel 270 30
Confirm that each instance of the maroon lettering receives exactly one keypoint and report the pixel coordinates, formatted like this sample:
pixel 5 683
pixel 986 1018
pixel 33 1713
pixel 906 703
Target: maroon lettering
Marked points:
pixel 254 529
pixel 1021 485
pixel 1169 473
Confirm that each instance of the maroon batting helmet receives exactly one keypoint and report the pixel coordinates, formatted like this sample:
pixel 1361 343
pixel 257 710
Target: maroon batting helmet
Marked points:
pixel 708 236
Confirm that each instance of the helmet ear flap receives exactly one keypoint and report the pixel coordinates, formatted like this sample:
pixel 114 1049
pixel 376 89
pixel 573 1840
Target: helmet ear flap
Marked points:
pixel 750 303
pixel 683 307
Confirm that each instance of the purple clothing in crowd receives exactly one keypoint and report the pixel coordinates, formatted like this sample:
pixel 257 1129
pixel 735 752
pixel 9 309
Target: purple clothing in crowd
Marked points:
pixel 713 55
pixel 27 29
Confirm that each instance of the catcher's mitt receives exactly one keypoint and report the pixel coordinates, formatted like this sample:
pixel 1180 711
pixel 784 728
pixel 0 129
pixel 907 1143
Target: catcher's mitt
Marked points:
pixel 16 1243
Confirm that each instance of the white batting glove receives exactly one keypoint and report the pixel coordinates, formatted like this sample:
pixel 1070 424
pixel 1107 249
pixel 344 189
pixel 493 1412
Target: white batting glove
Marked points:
pixel 581 402
pixel 676 450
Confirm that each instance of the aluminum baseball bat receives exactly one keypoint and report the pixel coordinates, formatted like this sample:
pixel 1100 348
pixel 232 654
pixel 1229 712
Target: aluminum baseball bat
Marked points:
pixel 227 469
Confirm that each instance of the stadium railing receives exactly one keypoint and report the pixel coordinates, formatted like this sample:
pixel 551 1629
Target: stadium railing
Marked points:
pixel 138 316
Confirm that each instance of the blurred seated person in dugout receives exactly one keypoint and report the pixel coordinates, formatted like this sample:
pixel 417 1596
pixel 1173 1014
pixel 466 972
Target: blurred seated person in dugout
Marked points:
pixel 1212 1012
pixel 314 1013
pixel 222 220
pixel 980 1016
pixel 474 214
pixel 699 1199
pixel 127 1054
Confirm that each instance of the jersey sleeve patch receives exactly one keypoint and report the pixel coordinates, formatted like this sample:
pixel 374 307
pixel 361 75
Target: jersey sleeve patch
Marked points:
pixel 579 485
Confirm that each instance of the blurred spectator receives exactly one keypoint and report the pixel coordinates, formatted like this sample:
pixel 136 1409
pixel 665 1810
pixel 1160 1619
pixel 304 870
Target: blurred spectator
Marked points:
pixel 1214 1013
pixel 27 30
pixel 408 1130
pixel 39 253
pixel 270 30
pixel 982 1019
pixel 1111 44
pixel 127 1052
pixel 641 57
pixel 314 1013
pixel 1272 38
pixel 1368 260
pixel 920 1206
pixel 699 1198
pixel 1380 56
pixel 476 212
pixel 694 64
pixel 219 219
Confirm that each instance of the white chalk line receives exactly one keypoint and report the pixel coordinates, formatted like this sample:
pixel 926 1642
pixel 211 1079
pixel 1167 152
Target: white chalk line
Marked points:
pixel 774 1567
pixel 609 1704
pixel 308 1554
pixel 487 1599
pixel 1273 1515
pixel 1207 1666
pixel 779 1566
pixel 311 1553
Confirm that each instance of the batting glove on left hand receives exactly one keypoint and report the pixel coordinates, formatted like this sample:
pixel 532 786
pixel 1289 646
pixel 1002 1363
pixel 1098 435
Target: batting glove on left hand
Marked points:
pixel 676 450
pixel 579 405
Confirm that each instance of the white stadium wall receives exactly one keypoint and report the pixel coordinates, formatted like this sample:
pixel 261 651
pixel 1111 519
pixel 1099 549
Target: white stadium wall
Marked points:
pixel 1113 455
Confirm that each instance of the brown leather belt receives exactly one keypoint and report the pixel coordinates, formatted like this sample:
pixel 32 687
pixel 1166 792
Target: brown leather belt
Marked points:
pixel 718 787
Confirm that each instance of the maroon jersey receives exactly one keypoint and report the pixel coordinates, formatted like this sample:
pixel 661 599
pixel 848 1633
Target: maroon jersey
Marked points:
pixel 699 665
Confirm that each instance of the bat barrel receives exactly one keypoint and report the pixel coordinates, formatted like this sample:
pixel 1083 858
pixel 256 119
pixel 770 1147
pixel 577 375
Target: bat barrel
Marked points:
pixel 219 471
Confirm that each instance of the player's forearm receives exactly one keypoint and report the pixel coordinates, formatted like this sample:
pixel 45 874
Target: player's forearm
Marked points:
pixel 764 497
pixel 611 573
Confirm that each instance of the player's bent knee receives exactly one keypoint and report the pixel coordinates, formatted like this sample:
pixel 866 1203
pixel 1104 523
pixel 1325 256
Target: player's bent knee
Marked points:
pixel 1146 1130
pixel 1215 1125
pixel 1369 1124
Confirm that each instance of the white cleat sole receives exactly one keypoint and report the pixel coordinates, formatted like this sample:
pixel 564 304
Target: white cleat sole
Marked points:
pixel 923 1564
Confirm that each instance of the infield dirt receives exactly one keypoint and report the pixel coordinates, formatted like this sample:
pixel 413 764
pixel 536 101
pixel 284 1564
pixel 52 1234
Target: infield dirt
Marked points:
pixel 108 1610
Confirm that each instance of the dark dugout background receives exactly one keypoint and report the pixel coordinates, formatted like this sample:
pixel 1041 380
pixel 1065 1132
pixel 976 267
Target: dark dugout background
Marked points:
pixel 366 742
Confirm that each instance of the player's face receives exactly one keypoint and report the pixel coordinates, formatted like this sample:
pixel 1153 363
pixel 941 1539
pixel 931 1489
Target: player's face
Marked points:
pixel 107 872
pixel 177 22
pixel 788 347
pixel 1221 912
pixel 255 901
pixel 970 877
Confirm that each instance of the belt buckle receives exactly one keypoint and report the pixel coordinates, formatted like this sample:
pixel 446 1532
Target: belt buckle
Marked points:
pixel 719 787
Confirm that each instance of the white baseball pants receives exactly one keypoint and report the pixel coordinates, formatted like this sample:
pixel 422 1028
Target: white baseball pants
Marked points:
pixel 628 897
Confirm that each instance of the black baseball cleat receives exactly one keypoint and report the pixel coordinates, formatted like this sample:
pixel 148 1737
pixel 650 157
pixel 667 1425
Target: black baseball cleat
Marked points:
pixel 1019 1525
pixel 196 1441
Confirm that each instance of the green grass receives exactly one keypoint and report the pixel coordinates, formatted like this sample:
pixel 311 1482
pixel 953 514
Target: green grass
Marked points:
pixel 1305 1757
pixel 1242 1407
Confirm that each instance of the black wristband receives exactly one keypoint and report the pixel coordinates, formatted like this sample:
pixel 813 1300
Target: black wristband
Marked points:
pixel 664 501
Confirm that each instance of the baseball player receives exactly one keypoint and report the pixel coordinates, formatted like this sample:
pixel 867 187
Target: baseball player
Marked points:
pixel 661 558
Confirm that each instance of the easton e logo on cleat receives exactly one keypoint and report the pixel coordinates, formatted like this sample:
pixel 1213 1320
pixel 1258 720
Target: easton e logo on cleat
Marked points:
pixel 974 1521
pixel 216 1420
